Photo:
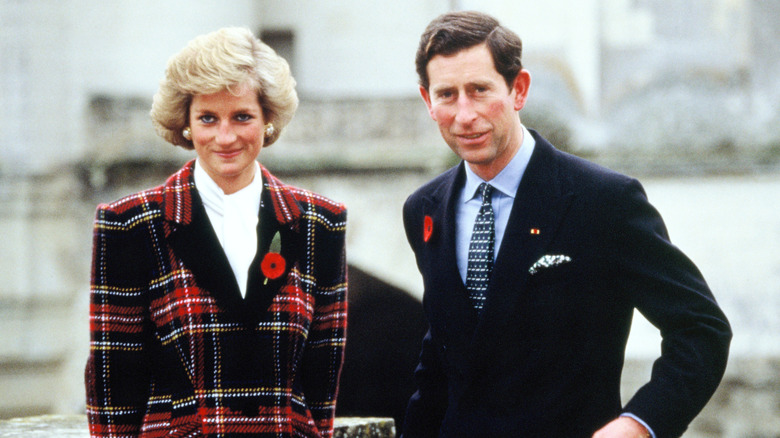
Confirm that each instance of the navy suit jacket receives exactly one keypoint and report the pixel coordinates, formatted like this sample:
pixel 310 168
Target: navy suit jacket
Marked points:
pixel 545 359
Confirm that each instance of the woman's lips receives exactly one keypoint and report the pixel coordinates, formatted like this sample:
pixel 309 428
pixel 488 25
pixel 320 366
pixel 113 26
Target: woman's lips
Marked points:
pixel 229 154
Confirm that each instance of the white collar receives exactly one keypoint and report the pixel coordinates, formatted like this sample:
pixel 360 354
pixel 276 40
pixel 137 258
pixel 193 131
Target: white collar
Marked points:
pixel 214 197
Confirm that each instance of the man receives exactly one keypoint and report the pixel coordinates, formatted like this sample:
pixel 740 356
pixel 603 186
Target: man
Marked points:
pixel 531 282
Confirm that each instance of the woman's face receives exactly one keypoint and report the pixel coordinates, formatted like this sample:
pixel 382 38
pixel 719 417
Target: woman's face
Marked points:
pixel 228 133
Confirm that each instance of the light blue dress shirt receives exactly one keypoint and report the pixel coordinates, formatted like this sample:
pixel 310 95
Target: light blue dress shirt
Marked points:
pixel 505 187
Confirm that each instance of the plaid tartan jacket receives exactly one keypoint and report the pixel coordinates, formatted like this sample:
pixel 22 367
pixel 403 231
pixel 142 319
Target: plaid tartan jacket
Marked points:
pixel 175 350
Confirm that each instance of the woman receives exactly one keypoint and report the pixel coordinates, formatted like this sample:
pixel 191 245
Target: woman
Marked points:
pixel 208 318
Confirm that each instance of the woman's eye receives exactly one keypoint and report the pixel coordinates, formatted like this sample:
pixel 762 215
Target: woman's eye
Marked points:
pixel 243 117
pixel 207 119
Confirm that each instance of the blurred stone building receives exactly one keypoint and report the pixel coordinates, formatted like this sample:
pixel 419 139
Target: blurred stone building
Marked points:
pixel 649 87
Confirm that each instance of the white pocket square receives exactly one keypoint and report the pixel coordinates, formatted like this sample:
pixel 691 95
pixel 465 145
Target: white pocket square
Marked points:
pixel 548 261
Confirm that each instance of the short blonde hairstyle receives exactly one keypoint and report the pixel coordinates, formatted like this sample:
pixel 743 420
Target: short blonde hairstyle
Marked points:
pixel 223 60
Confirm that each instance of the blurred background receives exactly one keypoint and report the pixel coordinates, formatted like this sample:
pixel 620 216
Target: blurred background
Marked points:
pixel 684 95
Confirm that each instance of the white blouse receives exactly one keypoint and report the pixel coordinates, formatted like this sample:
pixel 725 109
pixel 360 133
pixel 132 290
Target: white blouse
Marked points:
pixel 234 218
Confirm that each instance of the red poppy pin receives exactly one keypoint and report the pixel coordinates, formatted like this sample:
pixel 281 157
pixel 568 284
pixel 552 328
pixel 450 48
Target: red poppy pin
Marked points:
pixel 427 228
pixel 273 264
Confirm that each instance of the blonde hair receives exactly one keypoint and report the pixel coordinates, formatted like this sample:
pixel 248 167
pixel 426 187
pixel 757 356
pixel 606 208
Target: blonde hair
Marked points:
pixel 223 60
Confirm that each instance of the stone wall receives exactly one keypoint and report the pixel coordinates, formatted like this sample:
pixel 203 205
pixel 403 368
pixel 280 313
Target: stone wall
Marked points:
pixel 744 405
pixel 75 426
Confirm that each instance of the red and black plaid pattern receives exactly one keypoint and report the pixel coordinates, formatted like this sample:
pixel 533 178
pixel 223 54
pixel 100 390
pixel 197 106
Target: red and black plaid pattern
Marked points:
pixel 171 356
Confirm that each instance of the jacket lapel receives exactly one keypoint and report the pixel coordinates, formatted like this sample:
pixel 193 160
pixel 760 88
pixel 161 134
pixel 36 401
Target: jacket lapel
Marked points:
pixel 447 304
pixel 193 241
pixel 540 205
pixel 276 198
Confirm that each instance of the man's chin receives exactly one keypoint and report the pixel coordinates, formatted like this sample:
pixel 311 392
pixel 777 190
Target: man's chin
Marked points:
pixel 477 157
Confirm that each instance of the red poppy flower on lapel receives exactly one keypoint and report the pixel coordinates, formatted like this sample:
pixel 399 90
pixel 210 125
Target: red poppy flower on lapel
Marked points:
pixel 427 228
pixel 273 264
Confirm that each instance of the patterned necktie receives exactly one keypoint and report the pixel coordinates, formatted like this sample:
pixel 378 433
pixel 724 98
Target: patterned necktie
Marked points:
pixel 480 263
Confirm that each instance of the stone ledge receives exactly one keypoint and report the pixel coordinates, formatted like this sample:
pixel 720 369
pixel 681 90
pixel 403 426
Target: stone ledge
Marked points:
pixel 75 426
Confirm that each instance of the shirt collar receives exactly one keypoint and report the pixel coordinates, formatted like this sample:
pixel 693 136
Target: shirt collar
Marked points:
pixel 214 198
pixel 508 180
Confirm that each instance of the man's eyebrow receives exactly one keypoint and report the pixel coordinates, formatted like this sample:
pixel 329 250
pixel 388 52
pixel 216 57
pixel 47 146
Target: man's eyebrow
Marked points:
pixel 481 84
pixel 472 84
pixel 442 87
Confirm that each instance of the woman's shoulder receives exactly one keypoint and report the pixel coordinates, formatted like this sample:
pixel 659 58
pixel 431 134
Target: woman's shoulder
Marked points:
pixel 151 202
pixel 319 210
pixel 134 208
pixel 317 201
pixel 290 197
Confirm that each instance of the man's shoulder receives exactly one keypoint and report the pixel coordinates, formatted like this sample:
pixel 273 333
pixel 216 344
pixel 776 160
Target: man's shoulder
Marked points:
pixel 583 169
pixel 580 174
pixel 437 187
pixel 594 184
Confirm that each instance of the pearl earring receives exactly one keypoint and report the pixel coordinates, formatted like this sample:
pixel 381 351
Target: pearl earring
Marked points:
pixel 187 133
pixel 269 130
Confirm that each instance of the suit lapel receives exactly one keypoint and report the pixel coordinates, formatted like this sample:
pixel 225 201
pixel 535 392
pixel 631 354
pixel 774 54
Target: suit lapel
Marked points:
pixel 540 205
pixel 194 242
pixel 260 293
pixel 280 212
pixel 199 249
pixel 447 304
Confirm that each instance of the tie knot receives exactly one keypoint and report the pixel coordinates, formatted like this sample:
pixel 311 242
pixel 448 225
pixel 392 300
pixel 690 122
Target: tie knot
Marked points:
pixel 486 190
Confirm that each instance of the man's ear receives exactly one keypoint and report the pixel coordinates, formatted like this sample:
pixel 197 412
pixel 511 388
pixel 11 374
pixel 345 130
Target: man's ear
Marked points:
pixel 427 98
pixel 520 86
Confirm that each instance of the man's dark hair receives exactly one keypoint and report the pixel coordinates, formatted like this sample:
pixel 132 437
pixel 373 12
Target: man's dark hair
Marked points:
pixel 452 32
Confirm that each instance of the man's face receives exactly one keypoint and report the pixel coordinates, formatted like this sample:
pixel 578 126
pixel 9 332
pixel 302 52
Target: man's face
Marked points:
pixel 475 110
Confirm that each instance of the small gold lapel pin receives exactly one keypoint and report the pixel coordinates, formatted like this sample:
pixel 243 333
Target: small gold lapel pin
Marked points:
pixel 534 231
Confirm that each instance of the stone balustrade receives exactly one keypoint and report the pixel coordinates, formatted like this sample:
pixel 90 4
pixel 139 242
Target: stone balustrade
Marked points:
pixel 75 426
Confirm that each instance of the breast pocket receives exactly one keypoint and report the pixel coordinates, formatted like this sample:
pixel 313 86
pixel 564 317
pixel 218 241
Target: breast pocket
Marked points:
pixel 558 299
pixel 554 273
